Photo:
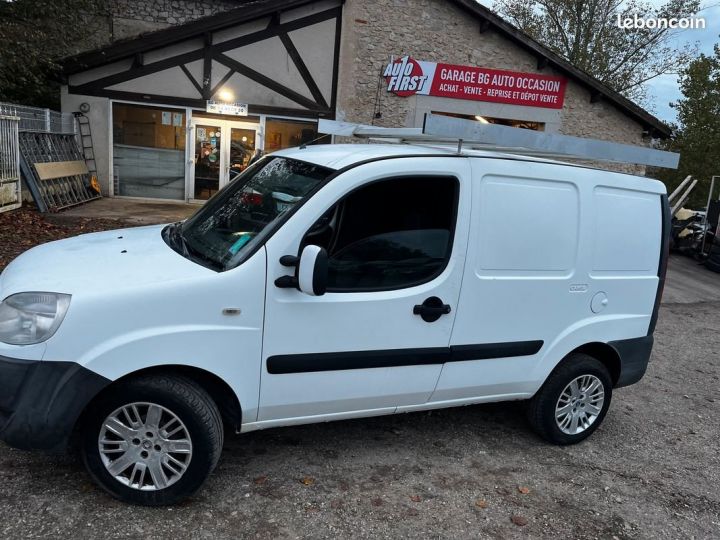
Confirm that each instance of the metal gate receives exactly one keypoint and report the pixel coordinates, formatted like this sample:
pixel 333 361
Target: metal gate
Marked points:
pixel 55 170
pixel 52 163
pixel 9 161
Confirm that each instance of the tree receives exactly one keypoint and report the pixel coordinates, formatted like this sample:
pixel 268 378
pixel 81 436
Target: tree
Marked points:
pixel 35 35
pixel 587 33
pixel 697 135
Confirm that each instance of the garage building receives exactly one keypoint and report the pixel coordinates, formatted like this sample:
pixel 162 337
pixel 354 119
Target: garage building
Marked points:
pixel 176 112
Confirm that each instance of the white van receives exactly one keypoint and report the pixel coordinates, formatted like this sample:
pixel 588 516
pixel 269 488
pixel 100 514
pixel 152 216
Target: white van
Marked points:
pixel 333 282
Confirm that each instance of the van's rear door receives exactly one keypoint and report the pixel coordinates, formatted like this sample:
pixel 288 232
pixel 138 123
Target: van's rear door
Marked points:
pixel 558 257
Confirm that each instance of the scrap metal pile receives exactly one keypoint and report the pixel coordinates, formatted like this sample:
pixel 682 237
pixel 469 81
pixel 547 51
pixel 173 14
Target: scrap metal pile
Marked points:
pixel 695 232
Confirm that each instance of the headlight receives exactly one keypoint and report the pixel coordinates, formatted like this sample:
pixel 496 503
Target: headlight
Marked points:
pixel 31 317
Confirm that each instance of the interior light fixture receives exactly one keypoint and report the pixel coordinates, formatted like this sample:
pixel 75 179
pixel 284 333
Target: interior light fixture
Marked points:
pixel 226 96
pixel 481 119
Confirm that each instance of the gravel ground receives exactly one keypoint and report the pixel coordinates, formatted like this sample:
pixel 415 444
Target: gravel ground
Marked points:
pixel 651 471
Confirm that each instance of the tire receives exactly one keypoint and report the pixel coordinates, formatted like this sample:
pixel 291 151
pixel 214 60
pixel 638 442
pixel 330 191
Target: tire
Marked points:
pixel 542 407
pixel 713 260
pixel 173 462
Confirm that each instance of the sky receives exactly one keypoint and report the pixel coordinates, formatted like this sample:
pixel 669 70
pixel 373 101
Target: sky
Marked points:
pixel 665 89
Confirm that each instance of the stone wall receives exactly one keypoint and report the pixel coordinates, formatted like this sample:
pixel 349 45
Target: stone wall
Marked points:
pixel 436 30
pixel 133 17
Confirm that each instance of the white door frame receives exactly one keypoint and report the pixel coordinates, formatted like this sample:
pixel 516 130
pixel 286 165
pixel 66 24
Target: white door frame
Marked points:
pixel 225 127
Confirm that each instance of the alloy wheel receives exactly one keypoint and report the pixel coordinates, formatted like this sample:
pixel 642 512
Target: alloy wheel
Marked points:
pixel 145 446
pixel 579 404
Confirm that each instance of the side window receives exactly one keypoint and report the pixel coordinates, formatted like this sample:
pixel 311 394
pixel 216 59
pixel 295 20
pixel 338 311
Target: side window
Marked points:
pixel 389 234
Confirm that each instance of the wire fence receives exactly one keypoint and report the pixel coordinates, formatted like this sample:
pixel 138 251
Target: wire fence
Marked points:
pixel 35 119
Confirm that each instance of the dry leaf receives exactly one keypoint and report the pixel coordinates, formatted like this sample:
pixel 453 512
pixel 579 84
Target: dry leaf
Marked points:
pixel 415 498
pixel 519 521
pixel 85 487
pixel 260 480
pixel 481 503
pixel 524 490
pixel 308 480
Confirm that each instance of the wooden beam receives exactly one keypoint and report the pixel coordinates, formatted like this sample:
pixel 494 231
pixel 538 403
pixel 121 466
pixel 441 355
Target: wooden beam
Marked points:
pixel 336 64
pixel 199 104
pixel 221 82
pixel 207 66
pixel 187 73
pixel 303 70
pixel 176 34
pixel 272 31
pixel 266 81
pixel 134 73
pixel 274 20
pixel 206 53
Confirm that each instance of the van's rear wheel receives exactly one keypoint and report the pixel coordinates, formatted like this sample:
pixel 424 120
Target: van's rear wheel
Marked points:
pixel 152 440
pixel 573 401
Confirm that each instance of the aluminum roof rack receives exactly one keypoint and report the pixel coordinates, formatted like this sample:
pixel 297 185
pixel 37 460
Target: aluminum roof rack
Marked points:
pixel 450 131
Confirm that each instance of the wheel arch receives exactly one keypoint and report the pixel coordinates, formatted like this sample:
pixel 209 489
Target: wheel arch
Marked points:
pixel 605 353
pixel 219 390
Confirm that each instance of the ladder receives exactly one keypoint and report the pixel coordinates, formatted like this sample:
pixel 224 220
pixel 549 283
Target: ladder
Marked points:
pixel 86 144
pixel 450 132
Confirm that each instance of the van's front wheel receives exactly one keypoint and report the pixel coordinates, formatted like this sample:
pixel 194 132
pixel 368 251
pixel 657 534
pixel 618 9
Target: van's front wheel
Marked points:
pixel 152 440
pixel 573 401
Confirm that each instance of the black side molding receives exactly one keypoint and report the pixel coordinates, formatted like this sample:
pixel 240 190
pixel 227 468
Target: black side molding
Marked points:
pixel 340 361
pixel 486 351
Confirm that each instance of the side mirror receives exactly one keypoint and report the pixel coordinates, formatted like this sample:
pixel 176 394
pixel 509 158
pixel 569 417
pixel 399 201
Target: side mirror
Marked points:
pixel 311 271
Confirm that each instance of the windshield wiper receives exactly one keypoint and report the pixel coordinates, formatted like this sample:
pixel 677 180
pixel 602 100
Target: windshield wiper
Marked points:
pixel 177 241
pixel 188 250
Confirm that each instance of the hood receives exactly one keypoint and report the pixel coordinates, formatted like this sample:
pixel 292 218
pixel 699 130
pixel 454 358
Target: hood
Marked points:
pixel 96 262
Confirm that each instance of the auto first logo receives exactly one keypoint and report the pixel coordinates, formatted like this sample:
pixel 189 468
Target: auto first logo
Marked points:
pixel 404 76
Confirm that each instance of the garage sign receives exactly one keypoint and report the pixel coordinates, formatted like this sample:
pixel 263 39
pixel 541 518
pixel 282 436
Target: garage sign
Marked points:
pixel 406 76
pixel 220 107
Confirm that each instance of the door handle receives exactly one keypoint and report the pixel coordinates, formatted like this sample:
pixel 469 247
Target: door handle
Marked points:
pixel 431 309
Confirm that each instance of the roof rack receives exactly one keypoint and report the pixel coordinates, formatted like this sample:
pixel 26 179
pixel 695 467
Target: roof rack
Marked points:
pixel 450 131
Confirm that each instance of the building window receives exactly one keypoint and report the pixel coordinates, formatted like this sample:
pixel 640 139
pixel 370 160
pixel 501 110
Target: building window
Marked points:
pixel 149 151
pixel 524 124
pixel 281 134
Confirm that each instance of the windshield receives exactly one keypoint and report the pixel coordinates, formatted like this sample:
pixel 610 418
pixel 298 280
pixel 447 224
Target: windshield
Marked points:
pixel 233 221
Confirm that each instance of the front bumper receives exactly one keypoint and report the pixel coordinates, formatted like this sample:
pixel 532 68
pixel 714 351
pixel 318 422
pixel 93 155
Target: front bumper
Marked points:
pixel 41 401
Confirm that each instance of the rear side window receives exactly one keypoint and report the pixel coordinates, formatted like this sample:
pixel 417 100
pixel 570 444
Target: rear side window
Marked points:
pixel 390 234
